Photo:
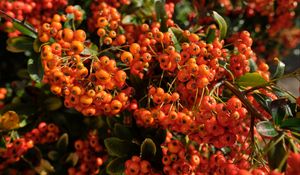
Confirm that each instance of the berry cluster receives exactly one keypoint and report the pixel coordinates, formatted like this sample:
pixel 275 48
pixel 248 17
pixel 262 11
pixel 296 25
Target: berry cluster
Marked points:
pixel 44 133
pixel 108 19
pixel 179 160
pixel 89 154
pixel 35 12
pixel 13 151
pixel 90 84
pixel 136 165
pixel 292 164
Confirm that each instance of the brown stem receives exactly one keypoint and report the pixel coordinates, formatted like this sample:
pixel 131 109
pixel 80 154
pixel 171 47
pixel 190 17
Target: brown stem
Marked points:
pixel 244 100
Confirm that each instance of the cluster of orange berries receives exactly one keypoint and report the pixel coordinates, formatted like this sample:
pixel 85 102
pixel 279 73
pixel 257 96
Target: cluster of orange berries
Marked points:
pixel 206 122
pixel 239 63
pixel 90 156
pixel 105 19
pixel 137 166
pixel 87 81
pixel 64 37
pixel 179 160
pixel 44 133
pixel 13 151
pixel 35 12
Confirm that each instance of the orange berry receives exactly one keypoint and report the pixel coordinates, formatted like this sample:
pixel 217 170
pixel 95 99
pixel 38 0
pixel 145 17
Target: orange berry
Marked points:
pixel 102 22
pixel 126 57
pixel 80 35
pixel 134 48
pixel 67 34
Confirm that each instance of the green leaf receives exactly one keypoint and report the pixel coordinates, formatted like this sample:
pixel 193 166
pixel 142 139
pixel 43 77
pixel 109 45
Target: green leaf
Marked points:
pixel 2 142
pixel 251 79
pixel 291 123
pixel 263 100
pixel 118 147
pixel 25 29
pixel 37 45
pixel 279 110
pixel 34 156
pixel 252 64
pixel 148 149
pixel 276 153
pixel 211 35
pixel 122 132
pixel 53 155
pixel 174 39
pixel 129 19
pixel 52 103
pixel 279 70
pixel 19 44
pixel 222 24
pixel 72 158
pixel 63 142
pixel 116 166
pixel 266 128
pixel 44 167
pixel 35 69
pixel 161 14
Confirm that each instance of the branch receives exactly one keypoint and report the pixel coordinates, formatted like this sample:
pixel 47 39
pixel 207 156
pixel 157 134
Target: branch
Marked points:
pixel 244 100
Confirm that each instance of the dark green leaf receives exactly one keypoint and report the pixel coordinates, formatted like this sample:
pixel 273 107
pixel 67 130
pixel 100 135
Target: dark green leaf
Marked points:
pixel 251 79
pixel 25 29
pixel 118 147
pixel 122 132
pixel 19 44
pixel 211 36
pixel 2 142
pixel 37 45
pixel 161 14
pixel 291 122
pixel 53 155
pixel 279 70
pixel 174 39
pixel 34 156
pixel 116 166
pixel 63 142
pixel 87 3
pixel 52 103
pixel 276 153
pixel 263 100
pixel 35 69
pixel 266 128
pixel 148 149
pixel 279 109
pixel 222 24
